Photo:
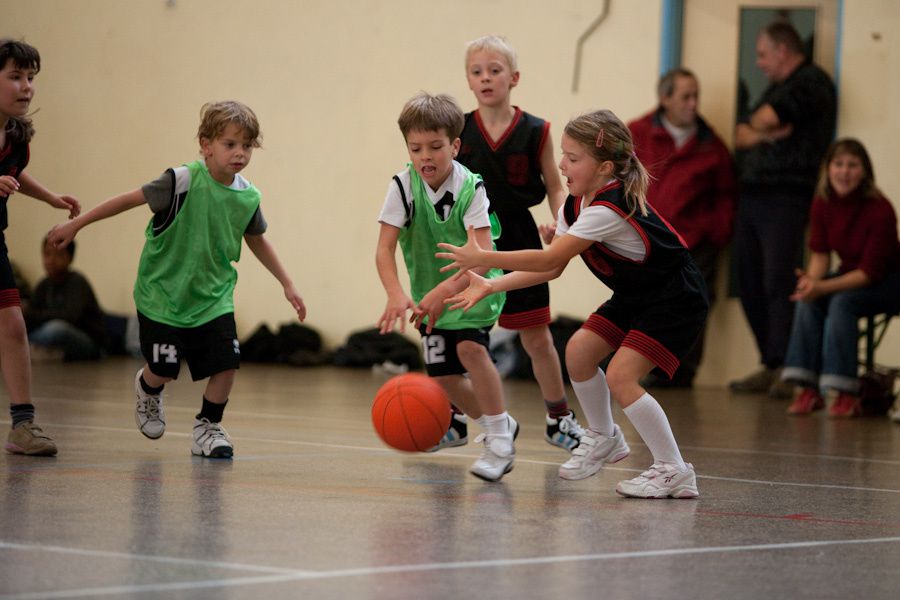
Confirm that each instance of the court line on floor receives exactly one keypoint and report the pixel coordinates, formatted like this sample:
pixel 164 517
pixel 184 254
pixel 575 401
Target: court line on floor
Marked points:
pixel 446 454
pixel 287 575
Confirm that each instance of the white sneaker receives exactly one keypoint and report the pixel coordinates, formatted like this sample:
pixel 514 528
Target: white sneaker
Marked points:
pixel 594 451
pixel 496 459
pixel 661 480
pixel 564 432
pixel 148 411
pixel 211 440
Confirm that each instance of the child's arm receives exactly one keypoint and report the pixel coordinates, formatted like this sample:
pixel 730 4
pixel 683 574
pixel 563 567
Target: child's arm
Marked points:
pixel 471 256
pixel 479 287
pixel 62 234
pixel 398 302
pixel 30 186
pixel 265 253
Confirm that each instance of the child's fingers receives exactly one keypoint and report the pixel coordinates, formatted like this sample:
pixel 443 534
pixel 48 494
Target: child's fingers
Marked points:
pixel 450 267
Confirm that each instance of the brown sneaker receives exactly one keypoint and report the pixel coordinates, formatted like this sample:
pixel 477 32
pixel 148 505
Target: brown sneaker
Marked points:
pixel 755 383
pixel 28 438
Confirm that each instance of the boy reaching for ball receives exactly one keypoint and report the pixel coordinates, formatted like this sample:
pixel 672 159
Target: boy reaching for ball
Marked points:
pixel 436 199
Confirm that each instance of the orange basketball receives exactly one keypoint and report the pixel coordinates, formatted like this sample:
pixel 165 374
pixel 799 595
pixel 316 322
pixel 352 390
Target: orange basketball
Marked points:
pixel 411 412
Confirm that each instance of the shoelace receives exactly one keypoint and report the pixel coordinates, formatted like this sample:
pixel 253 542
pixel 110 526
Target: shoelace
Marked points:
pixel 213 432
pixel 149 406
pixel 569 425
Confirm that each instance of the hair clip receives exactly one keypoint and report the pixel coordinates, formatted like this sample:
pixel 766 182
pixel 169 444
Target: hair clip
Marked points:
pixel 600 138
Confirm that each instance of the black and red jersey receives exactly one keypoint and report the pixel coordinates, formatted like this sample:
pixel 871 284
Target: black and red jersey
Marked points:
pixel 661 272
pixel 13 160
pixel 511 165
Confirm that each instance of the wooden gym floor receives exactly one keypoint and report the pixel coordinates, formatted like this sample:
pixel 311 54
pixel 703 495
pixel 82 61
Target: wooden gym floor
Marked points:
pixel 314 506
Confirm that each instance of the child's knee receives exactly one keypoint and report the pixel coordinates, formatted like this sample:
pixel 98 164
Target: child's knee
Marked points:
pixel 469 352
pixel 537 341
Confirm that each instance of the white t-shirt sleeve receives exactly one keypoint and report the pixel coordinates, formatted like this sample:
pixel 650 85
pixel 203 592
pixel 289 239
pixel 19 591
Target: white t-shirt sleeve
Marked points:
pixel 601 224
pixel 477 215
pixel 392 211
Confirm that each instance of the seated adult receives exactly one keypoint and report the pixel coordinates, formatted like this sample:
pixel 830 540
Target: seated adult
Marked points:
pixel 851 218
pixel 63 316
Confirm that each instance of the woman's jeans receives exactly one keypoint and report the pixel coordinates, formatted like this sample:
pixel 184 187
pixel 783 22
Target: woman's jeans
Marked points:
pixel 824 344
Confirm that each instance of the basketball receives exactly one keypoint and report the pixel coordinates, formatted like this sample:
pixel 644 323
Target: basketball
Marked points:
pixel 411 412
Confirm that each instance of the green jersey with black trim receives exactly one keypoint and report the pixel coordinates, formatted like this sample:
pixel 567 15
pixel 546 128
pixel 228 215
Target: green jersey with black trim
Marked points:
pixel 419 239
pixel 185 276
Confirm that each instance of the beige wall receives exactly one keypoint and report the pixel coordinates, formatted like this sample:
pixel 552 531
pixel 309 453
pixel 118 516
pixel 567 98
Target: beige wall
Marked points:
pixel 123 81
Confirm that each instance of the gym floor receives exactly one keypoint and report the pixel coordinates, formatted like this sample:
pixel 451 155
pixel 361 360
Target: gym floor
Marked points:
pixel 314 506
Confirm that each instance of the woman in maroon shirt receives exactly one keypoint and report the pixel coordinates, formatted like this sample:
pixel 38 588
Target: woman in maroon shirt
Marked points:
pixel 850 218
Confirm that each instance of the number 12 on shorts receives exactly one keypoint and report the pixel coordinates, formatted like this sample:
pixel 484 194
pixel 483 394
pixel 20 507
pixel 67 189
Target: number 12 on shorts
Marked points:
pixel 434 347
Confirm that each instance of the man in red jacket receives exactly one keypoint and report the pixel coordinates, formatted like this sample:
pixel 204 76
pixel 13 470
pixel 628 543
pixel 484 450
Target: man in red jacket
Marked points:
pixel 692 183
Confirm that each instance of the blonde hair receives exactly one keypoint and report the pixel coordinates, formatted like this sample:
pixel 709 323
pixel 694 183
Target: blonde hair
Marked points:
pixel 493 43
pixel 606 138
pixel 216 116
pixel 424 112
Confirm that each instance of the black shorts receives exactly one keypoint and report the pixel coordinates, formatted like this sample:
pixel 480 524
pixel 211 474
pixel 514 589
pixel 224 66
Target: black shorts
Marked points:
pixel 662 331
pixel 439 348
pixel 208 349
pixel 9 293
pixel 527 307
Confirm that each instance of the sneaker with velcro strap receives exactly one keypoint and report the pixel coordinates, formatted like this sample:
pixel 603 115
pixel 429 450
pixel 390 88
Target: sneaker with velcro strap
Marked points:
pixel 594 451
pixel 661 480
pixel 496 458
pixel 211 440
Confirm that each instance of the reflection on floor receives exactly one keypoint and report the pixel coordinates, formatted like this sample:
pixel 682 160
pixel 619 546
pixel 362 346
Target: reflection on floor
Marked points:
pixel 314 506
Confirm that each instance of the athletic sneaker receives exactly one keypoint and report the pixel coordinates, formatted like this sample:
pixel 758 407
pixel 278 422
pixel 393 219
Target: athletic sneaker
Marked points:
pixel 564 432
pixel 27 438
pixel 661 480
pixel 211 440
pixel 496 459
pixel 845 405
pixel 148 411
pixel 457 434
pixel 594 451
pixel 808 400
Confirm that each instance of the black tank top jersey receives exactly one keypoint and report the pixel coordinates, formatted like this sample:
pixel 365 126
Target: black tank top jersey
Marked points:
pixel 13 160
pixel 665 260
pixel 511 166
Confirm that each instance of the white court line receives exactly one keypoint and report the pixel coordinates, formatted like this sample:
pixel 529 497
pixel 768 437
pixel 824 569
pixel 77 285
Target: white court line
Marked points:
pixel 299 575
pixel 469 456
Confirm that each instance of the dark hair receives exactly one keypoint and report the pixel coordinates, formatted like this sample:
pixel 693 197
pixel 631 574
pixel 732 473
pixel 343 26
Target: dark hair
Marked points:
pixel 70 247
pixel 783 33
pixel 605 137
pixel 853 147
pixel 666 85
pixel 424 112
pixel 23 56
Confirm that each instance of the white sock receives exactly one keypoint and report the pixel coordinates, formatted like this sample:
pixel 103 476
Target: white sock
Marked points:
pixel 593 395
pixel 651 423
pixel 495 424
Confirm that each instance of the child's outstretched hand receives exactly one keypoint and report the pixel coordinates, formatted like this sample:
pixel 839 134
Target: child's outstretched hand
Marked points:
pixel 431 306
pixel 69 203
pixel 548 232
pixel 8 185
pixel 293 296
pixel 61 235
pixel 394 312
pixel 463 257
pixel 479 288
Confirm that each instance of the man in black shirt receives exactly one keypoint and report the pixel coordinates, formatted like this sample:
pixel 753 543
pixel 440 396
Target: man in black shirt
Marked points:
pixel 779 148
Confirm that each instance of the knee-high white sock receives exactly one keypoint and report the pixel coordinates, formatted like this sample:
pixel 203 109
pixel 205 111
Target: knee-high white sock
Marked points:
pixel 593 395
pixel 651 423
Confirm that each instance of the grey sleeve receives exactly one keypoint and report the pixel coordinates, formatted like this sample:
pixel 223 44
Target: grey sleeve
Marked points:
pixel 257 224
pixel 160 191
